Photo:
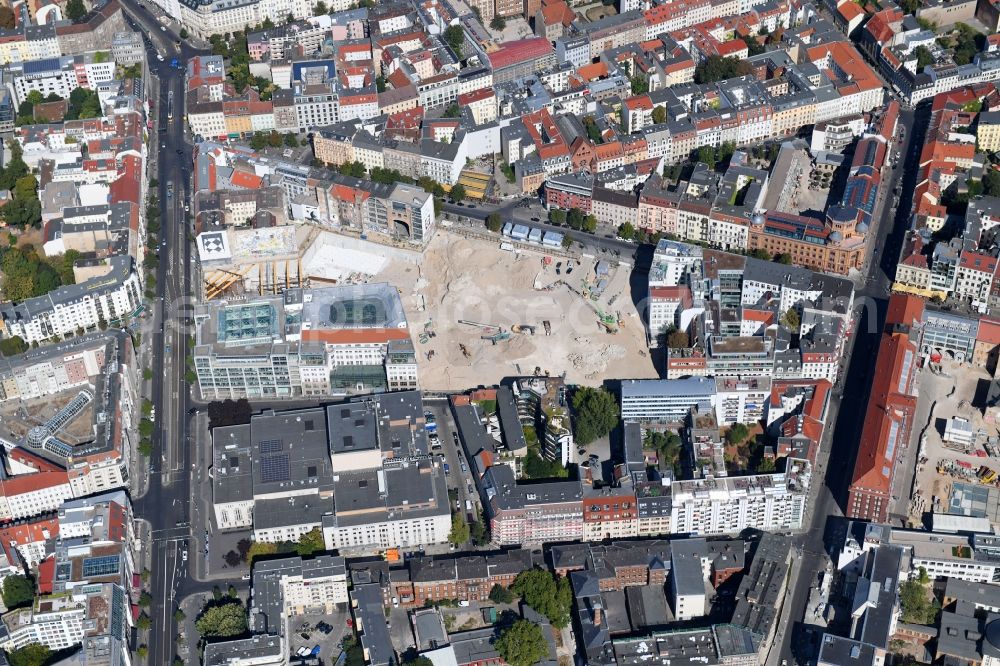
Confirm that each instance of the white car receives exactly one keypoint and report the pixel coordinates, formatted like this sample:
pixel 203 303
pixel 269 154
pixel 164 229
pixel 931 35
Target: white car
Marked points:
pixel 159 57
pixel 163 28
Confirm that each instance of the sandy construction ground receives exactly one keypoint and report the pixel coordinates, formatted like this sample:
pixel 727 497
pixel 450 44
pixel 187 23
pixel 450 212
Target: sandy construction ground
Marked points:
pixel 474 280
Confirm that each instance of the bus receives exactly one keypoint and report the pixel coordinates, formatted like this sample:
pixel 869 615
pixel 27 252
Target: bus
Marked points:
pixel 170 105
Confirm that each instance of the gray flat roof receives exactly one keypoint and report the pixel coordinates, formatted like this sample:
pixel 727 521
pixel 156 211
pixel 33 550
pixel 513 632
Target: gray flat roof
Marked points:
pixel 369 613
pixel 668 388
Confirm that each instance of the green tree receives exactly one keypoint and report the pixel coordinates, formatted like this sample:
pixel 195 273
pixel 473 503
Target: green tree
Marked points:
pixel 227 619
pixel 678 338
pixel 145 428
pixel 498 23
pixel 737 434
pixel 260 549
pixel 291 141
pixel 557 216
pixel 478 533
pixel 453 111
pixel 147 374
pixel 419 660
pixel 75 10
pixel 753 46
pixel 501 595
pixel 991 183
pixel 143 622
pixel 659 115
pixel 13 346
pixel 64 266
pixel 791 320
pixel 639 84
pixel 183 33
pixel 22 213
pixel 145 599
pixel 547 595
pixel 783 258
pixel 766 465
pixel 536 467
pixel 457 193
pixel 454 36
pixel 917 605
pixel 179 616
pixel 142 651
pixel 33 654
pixel 310 542
pixel 508 172
pixel 707 155
pixel 596 413
pixel 924 57
pixel 459 530
pixel 355 169
pixel 668 447
pixel 575 218
pixel 717 68
pixel 145 448
pixel 522 644
pixel 320 8
pixel 83 103
pixel 494 222
pixel 34 97
pixel 17 591
pixel 626 231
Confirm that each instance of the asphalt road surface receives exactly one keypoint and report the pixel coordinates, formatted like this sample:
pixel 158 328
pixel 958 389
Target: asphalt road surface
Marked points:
pixel 850 400
pixel 165 505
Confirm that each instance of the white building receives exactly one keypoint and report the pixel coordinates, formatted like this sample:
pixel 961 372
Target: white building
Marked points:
pixel 770 502
pixel 69 309
pixel 664 400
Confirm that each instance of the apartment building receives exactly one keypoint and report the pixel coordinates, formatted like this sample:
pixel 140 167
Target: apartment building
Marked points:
pixel 293 586
pixel 104 300
pixel 531 513
pixel 770 502
pixel 469 578
pixel 98 616
pixel 967 557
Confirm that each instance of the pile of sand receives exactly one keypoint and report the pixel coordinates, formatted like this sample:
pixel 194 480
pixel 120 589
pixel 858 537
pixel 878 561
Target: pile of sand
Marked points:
pixel 594 358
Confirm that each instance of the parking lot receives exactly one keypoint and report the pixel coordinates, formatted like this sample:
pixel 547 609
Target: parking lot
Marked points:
pixel 303 632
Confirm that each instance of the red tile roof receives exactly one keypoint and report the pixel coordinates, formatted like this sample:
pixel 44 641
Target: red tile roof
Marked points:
pixel 888 422
pixel 512 53
pixel 246 180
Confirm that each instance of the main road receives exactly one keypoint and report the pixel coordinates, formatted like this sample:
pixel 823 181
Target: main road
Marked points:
pixel 166 503
pixel 849 402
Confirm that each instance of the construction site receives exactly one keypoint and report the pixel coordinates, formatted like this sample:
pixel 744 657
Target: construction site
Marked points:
pixel 481 311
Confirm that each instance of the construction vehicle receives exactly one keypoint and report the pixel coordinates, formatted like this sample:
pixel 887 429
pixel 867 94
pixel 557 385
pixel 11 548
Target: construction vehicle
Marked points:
pixel 607 321
pixel 497 337
pixel 522 328
pixel 986 475
pixel 547 325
